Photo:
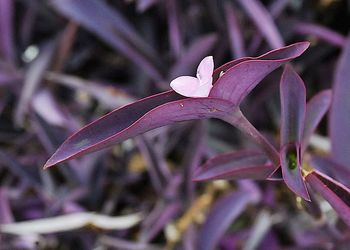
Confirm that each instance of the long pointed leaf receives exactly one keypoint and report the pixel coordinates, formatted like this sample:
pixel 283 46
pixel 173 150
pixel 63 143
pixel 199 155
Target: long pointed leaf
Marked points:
pixel 235 165
pixel 263 20
pixel 316 108
pixel 234 32
pixel 242 75
pixel 32 80
pixel 320 32
pixel 331 168
pixel 175 35
pixel 293 114
pixel 225 211
pixel 340 110
pixel 107 95
pixel 7 51
pixel 110 26
pixel 334 192
pixel 144 115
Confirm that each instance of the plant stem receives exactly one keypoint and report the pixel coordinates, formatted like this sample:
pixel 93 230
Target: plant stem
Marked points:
pixel 238 120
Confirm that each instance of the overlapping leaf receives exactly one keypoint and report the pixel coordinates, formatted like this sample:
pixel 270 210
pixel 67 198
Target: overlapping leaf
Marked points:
pixel 328 166
pixel 334 192
pixel 263 20
pixel 235 165
pixel 293 114
pixel 316 108
pixel 168 107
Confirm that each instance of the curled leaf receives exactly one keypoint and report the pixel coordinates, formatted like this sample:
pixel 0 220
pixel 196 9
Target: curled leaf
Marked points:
pixel 291 170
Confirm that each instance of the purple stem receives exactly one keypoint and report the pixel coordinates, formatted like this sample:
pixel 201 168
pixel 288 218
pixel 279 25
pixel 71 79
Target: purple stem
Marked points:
pixel 238 120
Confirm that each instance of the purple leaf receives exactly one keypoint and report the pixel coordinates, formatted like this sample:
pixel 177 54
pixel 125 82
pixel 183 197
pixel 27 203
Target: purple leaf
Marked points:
pixel 242 75
pixel 7 52
pixel 107 95
pixel 44 104
pixel 157 167
pixel 320 32
pixel 291 170
pixel 340 110
pixel 114 29
pixel 32 80
pixel 234 32
pixel 237 119
pixel 6 215
pixel 292 91
pixel 19 170
pixel 331 168
pixel 263 20
pixel 316 108
pixel 225 211
pixel 8 74
pixel 175 36
pixel 334 192
pixel 120 243
pixel 134 119
pixel 193 156
pixel 168 107
pixel 143 5
pixel 164 213
pixel 275 8
pixel 235 165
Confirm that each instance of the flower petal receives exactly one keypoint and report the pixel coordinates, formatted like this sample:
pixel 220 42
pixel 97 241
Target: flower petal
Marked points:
pixel 203 90
pixel 243 74
pixel 185 85
pixel 205 70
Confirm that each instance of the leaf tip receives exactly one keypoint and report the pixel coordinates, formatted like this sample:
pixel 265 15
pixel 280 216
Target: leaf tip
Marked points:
pixel 49 163
pixel 304 45
pixel 197 175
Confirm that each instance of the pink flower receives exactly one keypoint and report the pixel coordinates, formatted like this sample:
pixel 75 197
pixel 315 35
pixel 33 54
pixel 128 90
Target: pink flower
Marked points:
pixel 199 86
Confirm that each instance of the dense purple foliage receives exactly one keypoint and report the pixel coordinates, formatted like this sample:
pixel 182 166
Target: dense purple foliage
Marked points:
pixel 270 171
